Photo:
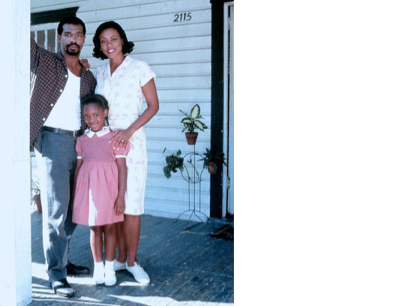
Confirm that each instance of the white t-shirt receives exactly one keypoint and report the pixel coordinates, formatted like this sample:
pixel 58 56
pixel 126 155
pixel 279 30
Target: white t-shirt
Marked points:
pixel 66 113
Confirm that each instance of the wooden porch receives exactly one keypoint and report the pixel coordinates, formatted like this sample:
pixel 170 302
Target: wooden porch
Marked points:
pixel 185 267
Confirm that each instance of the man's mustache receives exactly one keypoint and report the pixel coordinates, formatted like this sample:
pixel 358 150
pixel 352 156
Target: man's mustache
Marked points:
pixel 74 44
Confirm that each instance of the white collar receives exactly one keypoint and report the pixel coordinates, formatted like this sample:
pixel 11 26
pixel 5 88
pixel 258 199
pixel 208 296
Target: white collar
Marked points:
pixel 100 133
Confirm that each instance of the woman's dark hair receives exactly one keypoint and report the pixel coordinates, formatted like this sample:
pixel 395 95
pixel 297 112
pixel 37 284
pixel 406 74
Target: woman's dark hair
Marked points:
pixel 95 99
pixel 127 47
pixel 70 20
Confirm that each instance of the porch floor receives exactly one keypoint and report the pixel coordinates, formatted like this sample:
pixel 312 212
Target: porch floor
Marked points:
pixel 185 267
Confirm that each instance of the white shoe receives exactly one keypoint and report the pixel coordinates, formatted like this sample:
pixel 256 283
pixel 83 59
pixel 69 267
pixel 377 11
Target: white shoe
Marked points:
pixel 110 276
pixel 99 273
pixel 118 266
pixel 139 274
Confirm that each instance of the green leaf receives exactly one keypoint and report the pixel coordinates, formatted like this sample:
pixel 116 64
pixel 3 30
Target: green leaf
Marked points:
pixel 189 126
pixel 178 152
pixel 195 111
pixel 199 125
pixel 186 120
pixel 167 172
pixel 204 126
pixel 184 113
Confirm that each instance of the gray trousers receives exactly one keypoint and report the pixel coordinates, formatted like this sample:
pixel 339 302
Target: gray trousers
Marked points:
pixel 55 157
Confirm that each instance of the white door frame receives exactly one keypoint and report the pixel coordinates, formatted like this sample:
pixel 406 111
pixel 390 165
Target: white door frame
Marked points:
pixel 15 229
pixel 225 102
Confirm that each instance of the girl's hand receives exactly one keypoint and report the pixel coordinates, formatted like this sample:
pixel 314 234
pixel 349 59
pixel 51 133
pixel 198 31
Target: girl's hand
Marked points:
pixel 119 206
pixel 121 138
pixel 85 63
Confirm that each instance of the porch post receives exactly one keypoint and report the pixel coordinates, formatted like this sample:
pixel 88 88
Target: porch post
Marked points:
pixel 15 234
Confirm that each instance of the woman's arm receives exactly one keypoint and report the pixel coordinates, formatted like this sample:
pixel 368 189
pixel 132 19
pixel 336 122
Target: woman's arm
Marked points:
pixel 122 186
pixel 150 94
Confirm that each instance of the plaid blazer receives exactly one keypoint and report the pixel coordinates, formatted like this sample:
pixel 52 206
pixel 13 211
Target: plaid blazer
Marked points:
pixel 49 75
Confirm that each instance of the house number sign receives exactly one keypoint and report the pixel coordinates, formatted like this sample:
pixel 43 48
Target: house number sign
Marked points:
pixel 182 17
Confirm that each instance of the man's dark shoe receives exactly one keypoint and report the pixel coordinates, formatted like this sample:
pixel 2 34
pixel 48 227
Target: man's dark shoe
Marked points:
pixel 76 270
pixel 61 287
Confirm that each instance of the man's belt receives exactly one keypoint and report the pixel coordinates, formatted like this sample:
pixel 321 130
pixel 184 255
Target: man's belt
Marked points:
pixel 59 131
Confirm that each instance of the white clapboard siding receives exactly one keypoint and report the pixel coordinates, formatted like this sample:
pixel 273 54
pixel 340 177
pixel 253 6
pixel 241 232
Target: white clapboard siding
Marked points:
pixel 180 54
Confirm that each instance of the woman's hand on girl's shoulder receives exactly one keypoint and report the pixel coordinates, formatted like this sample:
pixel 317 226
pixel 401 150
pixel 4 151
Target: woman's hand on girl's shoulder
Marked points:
pixel 120 139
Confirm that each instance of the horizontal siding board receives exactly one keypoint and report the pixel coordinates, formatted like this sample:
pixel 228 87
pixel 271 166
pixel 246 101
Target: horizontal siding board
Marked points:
pixel 162 208
pixel 184 82
pixel 155 34
pixel 161 22
pixel 172 119
pixel 184 94
pixel 166 45
pixel 137 10
pixel 175 196
pixel 51 5
pixel 159 181
pixel 180 55
pixel 161 58
pixel 183 70
pixel 145 5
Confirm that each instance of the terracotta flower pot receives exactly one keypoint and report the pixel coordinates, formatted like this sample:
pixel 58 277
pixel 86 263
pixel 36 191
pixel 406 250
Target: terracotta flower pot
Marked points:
pixel 38 204
pixel 210 168
pixel 191 138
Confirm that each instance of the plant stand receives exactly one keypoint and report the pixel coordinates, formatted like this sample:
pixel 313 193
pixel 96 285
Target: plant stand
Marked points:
pixel 194 178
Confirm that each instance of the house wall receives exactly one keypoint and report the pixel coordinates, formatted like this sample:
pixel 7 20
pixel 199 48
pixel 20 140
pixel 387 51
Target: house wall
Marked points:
pixel 179 52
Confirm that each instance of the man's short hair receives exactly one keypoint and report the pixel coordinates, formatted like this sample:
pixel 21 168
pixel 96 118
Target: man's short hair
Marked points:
pixel 70 20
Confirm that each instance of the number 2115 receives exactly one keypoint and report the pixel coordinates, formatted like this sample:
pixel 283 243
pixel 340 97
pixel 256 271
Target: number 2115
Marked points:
pixel 182 17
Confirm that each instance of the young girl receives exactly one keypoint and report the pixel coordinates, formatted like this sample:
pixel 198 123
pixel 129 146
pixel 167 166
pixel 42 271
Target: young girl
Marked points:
pixel 100 179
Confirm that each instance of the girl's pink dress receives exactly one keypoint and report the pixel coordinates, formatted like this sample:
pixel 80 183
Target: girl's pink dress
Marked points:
pixel 97 181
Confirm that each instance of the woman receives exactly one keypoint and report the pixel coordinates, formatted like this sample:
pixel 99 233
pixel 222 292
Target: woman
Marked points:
pixel 125 82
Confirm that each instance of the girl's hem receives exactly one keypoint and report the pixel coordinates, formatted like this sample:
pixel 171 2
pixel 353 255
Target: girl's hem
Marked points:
pixel 107 223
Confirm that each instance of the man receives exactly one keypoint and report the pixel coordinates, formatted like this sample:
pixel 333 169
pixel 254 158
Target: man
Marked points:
pixel 59 82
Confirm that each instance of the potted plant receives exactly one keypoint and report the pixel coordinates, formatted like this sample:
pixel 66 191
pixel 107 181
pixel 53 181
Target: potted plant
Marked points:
pixel 212 160
pixel 191 122
pixel 36 195
pixel 174 162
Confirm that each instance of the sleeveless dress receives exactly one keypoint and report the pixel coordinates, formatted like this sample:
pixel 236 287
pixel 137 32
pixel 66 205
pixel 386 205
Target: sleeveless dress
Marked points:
pixel 97 182
pixel 123 91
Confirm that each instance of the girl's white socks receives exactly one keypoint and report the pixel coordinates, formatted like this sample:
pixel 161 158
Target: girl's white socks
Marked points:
pixel 99 273
pixel 109 265
pixel 110 276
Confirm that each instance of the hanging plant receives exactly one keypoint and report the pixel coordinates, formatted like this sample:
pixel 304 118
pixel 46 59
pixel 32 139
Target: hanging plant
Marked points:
pixel 174 162
pixel 212 159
